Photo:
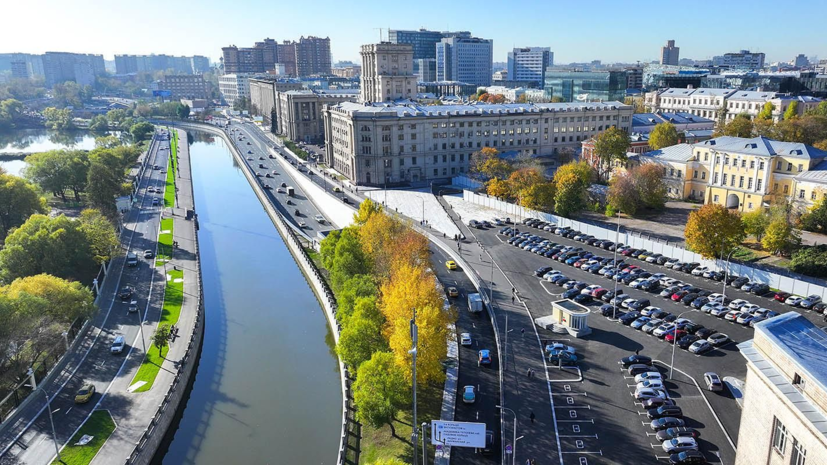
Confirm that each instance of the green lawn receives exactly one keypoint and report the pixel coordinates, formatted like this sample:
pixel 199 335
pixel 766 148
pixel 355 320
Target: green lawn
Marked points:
pixel 173 298
pixel 165 241
pixel 169 191
pixel 100 425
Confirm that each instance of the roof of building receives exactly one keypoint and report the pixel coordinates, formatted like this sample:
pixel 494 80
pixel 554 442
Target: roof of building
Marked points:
pixel 651 119
pixel 324 92
pixel 761 146
pixel 752 95
pixel 702 92
pixel 415 109
pixel 680 152
pixel 818 174
pixel 800 98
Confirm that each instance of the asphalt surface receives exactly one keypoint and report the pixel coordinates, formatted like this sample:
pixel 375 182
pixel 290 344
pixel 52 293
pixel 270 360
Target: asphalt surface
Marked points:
pixel 30 436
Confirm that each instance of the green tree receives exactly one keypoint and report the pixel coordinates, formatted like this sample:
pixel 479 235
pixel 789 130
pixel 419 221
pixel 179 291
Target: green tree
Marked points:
pixel 101 234
pixel 107 142
pixel 539 196
pixel 792 111
pixel 755 223
pixel 99 123
pixel 766 111
pixel 815 219
pixel 650 186
pixel 116 117
pixel 11 111
pixel 18 201
pixel 572 181
pixel 65 300
pixel 380 391
pixel 361 337
pixel 610 145
pixel 56 246
pixel 664 135
pixel 810 261
pixel 740 126
pixel 274 129
pixel 104 183
pixel 352 290
pixel 58 118
pixel 713 230
pixel 182 111
pixel 349 259
pixel 623 194
pixel 160 338
pixel 141 131
pixel 780 238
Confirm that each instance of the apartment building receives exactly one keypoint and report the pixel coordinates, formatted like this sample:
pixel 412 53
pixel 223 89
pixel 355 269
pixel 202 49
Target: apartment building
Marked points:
pixel 784 418
pixel 743 59
pixel 82 68
pixel 235 87
pixel 187 86
pixel 257 59
pixel 377 143
pixel 299 112
pixel 387 72
pixel 313 56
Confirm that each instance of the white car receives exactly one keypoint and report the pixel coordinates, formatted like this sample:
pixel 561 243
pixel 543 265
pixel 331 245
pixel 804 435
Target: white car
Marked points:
pixel 700 346
pixel 663 329
pixel 551 274
pixel 589 289
pixel 750 308
pixel 709 306
pixel 465 339
pixel 648 393
pixel 794 300
pixel 319 219
pixel 679 444
pixel 732 315
pixel 648 311
pixel 668 282
pixel 627 302
pixel 715 297
pixel 700 270
pixel 647 376
pixel 719 311
pixel 650 383
pixel 737 304
pixel 636 283
pixel 717 339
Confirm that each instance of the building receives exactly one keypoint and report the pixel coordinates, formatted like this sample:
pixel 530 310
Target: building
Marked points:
pixel 743 59
pixel 235 87
pixel 387 72
pixel 186 86
pixel 501 75
pixel 634 77
pixel 130 64
pixel 350 71
pixel 313 56
pixel 447 88
pixel 200 64
pixel 60 67
pixel 377 143
pixel 707 102
pixel 784 415
pixel 263 95
pixel 299 112
pixel 666 76
pixel 425 69
pixel 287 57
pixel 670 55
pixel 529 63
pixel 19 69
pixel 257 59
pixel 644 123
pixel 34 63
pixel 800 61
pixel 424 44
pixel 465 59
pixel 810 187
pixel 585 86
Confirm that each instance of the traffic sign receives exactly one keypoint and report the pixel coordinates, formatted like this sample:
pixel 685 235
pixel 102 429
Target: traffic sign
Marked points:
pixel 508 449
pixel 458 433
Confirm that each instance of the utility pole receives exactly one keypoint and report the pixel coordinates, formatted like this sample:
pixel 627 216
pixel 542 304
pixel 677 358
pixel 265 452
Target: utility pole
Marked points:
pixel 414 339
pixel 424 433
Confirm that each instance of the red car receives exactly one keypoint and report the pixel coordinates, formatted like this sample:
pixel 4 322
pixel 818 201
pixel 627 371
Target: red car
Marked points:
pixel 598 293
pixel 672 336
pixel 782 296
pixel 679 295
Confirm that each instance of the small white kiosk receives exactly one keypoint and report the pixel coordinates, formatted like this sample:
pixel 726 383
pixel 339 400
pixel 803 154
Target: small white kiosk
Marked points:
pixel 566 317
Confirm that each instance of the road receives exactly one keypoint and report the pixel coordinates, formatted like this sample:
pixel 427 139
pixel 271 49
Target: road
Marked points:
pixel 29 439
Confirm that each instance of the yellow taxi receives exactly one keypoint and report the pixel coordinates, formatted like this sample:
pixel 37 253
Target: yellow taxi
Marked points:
pixel 451 265
pixel 85 393
pixel 453 292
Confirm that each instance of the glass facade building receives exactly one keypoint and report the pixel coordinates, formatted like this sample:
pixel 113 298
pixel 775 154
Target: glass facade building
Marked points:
pixel 585 86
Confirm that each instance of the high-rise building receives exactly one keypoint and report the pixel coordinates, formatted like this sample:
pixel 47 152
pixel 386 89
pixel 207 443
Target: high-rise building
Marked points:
pixel 61 67
pixel 256 59
pixel 188 86
pixel 19 69
pixel 465 59
pixel 234 87
pixel 313 56
pixel 585 86
pixel 800 61
pixel 423 41
pixel 425 69
pixel 34 63
pixel 287 57
pixel 387 72
pixel 669 55
pixel 529 63
pixel 128 64
pixel 634 77
pixel 200 64
pixel 743 59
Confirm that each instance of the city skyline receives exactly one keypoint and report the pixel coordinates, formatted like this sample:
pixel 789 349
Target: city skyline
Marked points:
pixel 573 35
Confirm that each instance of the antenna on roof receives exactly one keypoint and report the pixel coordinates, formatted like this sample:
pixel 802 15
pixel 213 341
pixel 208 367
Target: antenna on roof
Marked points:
pixel 380 33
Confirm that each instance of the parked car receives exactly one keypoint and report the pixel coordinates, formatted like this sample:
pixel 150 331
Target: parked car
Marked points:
pixel 647 393
pixel 638 368
pixel 687 341
pixel 676 432
pixel 635 359
pixel 680 444
pixel 794 300
pixel 664 411
pixel 713 382
pixel 718 339
pixel 687 457
pixel 700 347
pixel 810 301
pixel 666 422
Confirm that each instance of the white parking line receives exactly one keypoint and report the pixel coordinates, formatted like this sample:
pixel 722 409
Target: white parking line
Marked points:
pixel 599 452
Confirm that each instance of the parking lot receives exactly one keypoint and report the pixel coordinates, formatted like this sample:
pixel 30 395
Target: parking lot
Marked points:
pixel 598 419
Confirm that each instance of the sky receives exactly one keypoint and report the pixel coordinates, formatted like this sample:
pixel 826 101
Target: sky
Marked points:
pixel 611 31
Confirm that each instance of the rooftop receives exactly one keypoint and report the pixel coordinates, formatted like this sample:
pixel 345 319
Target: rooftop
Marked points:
pixel 818 174
pixel 680 152
pixel 651 119
pixel 415 109
pixel 761 146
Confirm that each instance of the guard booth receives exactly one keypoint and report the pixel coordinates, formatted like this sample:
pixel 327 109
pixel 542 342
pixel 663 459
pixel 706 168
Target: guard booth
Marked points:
pixel 571 317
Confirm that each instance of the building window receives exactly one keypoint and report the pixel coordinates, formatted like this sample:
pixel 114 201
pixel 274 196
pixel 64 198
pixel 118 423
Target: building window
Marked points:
pixel 779 436
pixel 761 165
pixel 798 381
pixel 680 173
pixel 695 176
pixel 724 180
pixel 715 178
pixel 751 164
pixel 786 188
pixel 750 206
pixel 800 168
pixel 778 165
pixel 813 195
pixel 703 174
pixel 413 160
pixel 789 166
pixel 801 196
pixel 799 453
pixel 741 182
pixel 715 199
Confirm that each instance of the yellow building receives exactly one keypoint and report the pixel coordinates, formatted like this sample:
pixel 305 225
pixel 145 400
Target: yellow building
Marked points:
pixel 744 174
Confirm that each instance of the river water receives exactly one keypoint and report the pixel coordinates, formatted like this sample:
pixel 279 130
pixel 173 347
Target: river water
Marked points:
pixel 27 141
pixel 267 390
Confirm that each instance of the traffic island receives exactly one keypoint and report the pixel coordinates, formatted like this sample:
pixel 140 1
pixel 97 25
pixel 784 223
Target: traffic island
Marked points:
pixel 81 450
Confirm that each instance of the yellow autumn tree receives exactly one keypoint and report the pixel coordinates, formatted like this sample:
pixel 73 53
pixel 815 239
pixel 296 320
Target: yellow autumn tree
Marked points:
pixel 413 287
pixel 498 188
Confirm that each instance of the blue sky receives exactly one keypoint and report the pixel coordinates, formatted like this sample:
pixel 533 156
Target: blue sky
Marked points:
pixel 576 31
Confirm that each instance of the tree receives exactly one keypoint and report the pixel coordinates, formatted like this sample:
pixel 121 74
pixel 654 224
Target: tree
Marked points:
pixel 650 186
pixel 350 292
pixel 572 181
pixel 713 230
pixel 792 111
pixel 58 118
pixel 101 234
pixel 610 145
pixel 664 135
pixel 182 111
pixel 11 111
pixel 523 179
pixel 66 300
pixel 498 188
pixel 241 104
pixel 107 142
pixel 366 209
pixel 523 98
pixel 623 194
pixel 720 124
pixel 273 122
pixel 740 126
pixel 116 117
pixel 141 131
pixel 766 111
pixel 361 337
pixel 780 238
pixel 18 201
pixel 815 219
pixel 98 123
pixel 480 158
pixel 57 170
pixel 755 223
pixel 810 261
pixel 495 167
pixel 104 183
pixel 57 246
pixel 539 196
pixel 349 259
pixel 160 338
pixel 380 391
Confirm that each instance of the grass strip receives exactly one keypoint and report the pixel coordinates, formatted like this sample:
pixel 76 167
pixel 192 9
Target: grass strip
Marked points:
pixel 165 241
pixel 100 425
pixel 169 191
pixel 171 312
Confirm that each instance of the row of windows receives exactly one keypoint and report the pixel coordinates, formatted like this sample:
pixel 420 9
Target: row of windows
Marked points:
pixel 780 437
pixel 414 160
pixel 740 179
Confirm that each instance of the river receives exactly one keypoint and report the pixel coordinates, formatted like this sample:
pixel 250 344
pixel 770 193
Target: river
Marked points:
pixel 26 141
pixel 267 388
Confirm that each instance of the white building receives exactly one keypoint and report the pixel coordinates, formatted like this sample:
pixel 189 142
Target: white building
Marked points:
pixel 743 59
pixel 707 102
pixel 234 87
pixel 529 64
pixel 784 419
pixel 465 59
pixel 387 72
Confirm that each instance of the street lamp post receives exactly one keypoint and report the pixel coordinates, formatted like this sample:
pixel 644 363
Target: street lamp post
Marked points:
pixel 52 422
pixel 614 277
pixel 414 339
pixel 675 342
pixel 726 273
pixel 514 437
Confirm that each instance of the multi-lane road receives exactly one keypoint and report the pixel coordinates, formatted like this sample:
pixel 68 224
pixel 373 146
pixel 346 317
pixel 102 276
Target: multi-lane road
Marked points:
pixel 27 438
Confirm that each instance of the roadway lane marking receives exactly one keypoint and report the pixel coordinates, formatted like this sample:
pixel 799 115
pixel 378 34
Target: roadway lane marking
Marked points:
pixel 579 436
pixel 599 452
pixel 576 421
